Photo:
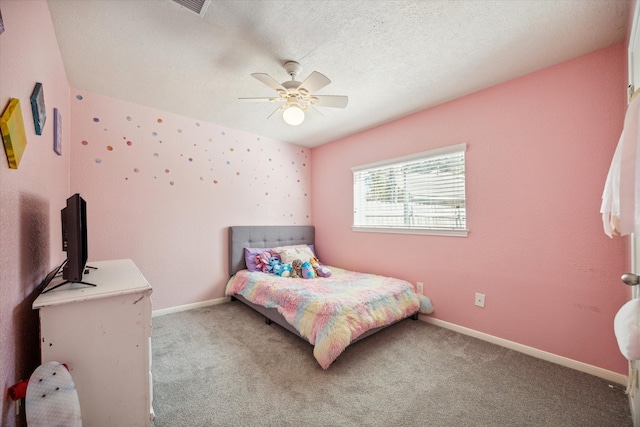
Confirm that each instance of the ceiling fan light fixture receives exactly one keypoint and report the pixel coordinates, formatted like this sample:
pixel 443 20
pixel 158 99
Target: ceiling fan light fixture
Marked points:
pixel 293 115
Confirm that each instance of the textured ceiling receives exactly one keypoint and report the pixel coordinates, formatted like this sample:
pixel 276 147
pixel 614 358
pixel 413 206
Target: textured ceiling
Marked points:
pixel 390 57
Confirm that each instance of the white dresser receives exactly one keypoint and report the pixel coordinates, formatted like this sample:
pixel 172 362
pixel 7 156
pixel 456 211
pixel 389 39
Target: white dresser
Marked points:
pixel 103 334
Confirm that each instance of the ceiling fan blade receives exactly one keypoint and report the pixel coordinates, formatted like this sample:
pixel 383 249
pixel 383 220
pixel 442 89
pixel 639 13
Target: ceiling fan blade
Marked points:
pixel 313 110
pixel 265 99
pixel 269 81
pixel 335 101
pixel 314 82
pixel 277 109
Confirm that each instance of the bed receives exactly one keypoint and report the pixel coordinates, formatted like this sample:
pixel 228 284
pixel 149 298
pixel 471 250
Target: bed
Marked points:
pixel 329 313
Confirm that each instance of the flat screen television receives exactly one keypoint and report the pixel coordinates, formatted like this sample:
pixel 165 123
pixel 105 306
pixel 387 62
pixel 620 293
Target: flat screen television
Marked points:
pixel 74 238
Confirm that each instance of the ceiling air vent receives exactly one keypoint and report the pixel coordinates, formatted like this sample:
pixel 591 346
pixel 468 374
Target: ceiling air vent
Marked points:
pixel 198 6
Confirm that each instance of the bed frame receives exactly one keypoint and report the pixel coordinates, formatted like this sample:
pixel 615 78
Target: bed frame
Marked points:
pixel 271 236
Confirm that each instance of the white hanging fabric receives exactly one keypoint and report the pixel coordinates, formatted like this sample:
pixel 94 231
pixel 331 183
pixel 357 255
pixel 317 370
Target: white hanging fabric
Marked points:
pixel 621 196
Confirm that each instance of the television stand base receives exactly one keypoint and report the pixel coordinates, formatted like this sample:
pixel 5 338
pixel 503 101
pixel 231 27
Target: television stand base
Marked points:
pixel 65 282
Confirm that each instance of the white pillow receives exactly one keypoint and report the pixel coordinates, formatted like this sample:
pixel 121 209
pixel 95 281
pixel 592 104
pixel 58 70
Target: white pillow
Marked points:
pixel 626 326
pixel 288 254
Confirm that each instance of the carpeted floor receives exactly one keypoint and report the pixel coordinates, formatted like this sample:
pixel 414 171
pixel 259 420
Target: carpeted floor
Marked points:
pixel 223 366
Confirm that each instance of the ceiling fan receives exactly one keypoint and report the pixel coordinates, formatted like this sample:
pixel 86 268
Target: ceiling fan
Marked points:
pixel 296 97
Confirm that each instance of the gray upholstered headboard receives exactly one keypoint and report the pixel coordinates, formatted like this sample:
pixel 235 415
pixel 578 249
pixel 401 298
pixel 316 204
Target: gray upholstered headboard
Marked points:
pixel 264 236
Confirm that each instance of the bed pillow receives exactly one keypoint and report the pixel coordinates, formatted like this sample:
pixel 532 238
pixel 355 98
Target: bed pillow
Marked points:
pixel 288 254
pixel 250 257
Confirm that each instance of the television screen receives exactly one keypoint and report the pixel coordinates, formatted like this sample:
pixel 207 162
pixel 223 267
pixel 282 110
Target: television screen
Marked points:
pixel 74 238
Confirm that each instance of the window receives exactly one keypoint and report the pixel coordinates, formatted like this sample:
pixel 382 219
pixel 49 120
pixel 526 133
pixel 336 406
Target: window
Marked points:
pixel 421 193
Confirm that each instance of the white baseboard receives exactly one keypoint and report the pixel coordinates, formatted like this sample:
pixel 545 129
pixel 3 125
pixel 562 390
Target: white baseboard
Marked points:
pixel 549 357
pixel 186 307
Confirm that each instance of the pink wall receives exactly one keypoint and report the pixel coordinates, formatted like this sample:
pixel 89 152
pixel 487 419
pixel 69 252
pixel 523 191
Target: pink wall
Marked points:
pixel 32 195
pixel 162 189
pixel 539 149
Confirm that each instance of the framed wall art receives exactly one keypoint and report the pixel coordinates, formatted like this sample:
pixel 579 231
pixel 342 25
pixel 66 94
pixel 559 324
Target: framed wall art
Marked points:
pixel 13 134
pixel 37 107
pixel 57 132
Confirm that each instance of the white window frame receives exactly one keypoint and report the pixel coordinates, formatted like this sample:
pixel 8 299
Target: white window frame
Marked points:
pixel 359 197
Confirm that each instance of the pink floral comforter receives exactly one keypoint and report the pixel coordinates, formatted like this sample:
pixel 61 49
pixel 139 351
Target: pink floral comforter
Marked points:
pixel 330 312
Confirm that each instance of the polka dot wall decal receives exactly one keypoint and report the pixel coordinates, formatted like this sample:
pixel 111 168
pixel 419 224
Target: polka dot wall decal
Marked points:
pixel 179 130
pixel 109 148
pixel 171 182
pixel 85 143
pixel 197 124
pixel 159 120
pixel 79 97
pixel 190 159
pixel 222 132
pixel 166 171
pixel 129 143
pixel 96 120
pixel 98 161
pixel 215 181
pixel 155 154
pixel 129 118
pixel 136 170
pixel 154 134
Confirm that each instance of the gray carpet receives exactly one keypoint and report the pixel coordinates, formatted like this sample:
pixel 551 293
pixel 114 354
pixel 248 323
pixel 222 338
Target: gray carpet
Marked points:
pixel 223 366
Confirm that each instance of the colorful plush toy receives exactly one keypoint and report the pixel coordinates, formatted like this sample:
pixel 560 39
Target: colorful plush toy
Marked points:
pixel 307 270
pixel 320 270
pixel 262 261
pixel 274 265
pixel 296 269
pixel 323 271
pixel 315 264
pixel 285 271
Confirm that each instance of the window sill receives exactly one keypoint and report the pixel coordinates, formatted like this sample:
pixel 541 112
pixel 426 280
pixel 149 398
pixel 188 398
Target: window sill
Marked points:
pixel 453 233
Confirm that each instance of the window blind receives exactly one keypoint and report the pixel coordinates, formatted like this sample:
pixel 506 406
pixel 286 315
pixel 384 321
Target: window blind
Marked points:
pixel 424 192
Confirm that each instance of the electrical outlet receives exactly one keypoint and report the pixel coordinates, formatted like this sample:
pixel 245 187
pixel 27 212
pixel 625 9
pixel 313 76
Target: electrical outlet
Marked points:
pixel 480 300
pixel 420 287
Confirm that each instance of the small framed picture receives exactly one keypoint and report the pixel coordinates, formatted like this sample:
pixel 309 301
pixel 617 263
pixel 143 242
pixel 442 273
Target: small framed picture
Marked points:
pixel 37 107
pixel 57 132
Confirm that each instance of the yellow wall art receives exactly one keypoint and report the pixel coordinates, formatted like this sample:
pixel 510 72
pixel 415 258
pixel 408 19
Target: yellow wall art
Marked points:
pixel 13 133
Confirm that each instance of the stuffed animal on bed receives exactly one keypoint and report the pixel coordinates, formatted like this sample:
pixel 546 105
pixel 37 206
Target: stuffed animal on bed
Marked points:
pixel 320 270
pixel 285 270
pixel 323 271
pixel 274 265
pixel 296 269
pixel 307 270
pixel 262 261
